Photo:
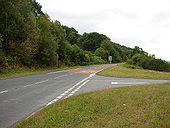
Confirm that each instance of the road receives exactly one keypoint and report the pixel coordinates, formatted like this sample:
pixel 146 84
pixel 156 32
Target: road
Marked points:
pixel 20 97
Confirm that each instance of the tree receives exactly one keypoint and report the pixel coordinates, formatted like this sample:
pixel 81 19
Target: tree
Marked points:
pixel 19 30
pixel 47 45
pixel 68 53
pixel 102 53
pixel 138 50
pixel 36 8
pixel 77 55
pixel 72 35
pixel 11 23
pixel 110 50
pixel 91 41
pixel 28 48
pixel 148 62
pixel 64 48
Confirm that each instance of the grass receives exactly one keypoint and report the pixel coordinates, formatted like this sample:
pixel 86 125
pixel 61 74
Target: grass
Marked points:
pixel 23 71
pixel 134 106
pixel 125 70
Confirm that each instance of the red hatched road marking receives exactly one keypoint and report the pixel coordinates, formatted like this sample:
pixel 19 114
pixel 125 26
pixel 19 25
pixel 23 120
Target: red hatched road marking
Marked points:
pixel 89 71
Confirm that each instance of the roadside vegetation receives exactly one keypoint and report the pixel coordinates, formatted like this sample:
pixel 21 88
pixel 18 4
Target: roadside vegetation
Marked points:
pixel 133 106
pixel 126 70
pixel 30 39
pixel 144 60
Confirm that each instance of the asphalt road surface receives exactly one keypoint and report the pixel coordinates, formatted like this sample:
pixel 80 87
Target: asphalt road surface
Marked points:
pixel 20 97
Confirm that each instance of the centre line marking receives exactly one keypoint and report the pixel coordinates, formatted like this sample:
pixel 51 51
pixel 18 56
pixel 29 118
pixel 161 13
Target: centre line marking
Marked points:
pixel 3 91
pixel 36 83
pixel 114 82
pixel 53 72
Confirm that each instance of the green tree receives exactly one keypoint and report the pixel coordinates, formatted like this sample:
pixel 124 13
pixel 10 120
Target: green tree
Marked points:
pixel 68 54
pixel 138 50
pixel 91 41
pixel 64 48
pixel 109 48
pixel 18 28
pixel 148 62
pixel 47 45
pixel 102 53
pixel 36 8
pixel 28 48
pixel 77 55
pixel 11 23
pixel 72 35
pixel 87 58
pixel 96 60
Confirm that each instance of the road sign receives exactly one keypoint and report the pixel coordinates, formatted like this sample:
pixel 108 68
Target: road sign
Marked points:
pixel 110 58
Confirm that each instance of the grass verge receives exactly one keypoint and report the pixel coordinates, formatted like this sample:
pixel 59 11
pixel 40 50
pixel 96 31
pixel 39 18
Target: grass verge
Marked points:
pixel 133 106
pixel 125 70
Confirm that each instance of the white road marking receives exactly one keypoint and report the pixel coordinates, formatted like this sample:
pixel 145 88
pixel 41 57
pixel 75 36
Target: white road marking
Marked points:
pixel 53 72
pixel 76 89
pixel 102 69
pixel 42 81
pixel 114 82
pixel 68 90
pixel 61 76
pixel 3 91
pixel 36 83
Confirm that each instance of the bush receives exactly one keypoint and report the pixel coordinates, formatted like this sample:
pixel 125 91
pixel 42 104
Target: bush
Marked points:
pixel 133 66
pixel 97 60
pixel 87 58
pixel 148 62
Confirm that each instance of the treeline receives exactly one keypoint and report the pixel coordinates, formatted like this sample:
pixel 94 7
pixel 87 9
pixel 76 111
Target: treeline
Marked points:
pixel 146 61
pixel 29 38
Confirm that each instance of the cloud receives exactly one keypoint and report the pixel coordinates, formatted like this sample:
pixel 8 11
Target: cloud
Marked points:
pixel 145 23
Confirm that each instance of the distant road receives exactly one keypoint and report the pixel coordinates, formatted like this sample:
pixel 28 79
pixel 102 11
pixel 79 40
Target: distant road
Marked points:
pixel 22 96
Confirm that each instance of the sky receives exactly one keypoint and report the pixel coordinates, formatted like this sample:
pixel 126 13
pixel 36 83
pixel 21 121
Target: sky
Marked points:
pixel 143 23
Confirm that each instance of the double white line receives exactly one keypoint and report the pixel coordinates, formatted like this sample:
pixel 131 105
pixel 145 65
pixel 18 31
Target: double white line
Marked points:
pixel 67 94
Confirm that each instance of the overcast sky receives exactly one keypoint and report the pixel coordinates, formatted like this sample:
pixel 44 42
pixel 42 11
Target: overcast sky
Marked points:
pixel 143 23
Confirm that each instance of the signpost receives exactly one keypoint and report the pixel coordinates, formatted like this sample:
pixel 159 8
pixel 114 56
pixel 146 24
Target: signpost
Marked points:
pixel 110 59
pixel 57 57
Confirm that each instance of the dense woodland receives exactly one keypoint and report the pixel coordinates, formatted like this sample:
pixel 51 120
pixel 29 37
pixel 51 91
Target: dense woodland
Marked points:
pixel 29 38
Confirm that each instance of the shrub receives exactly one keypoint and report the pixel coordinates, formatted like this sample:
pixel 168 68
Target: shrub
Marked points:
pixel 148 62
pixel 133 66
pixel 97 60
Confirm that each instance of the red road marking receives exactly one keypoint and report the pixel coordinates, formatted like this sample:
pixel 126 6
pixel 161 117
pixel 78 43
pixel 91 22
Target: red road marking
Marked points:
pixel 89 71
